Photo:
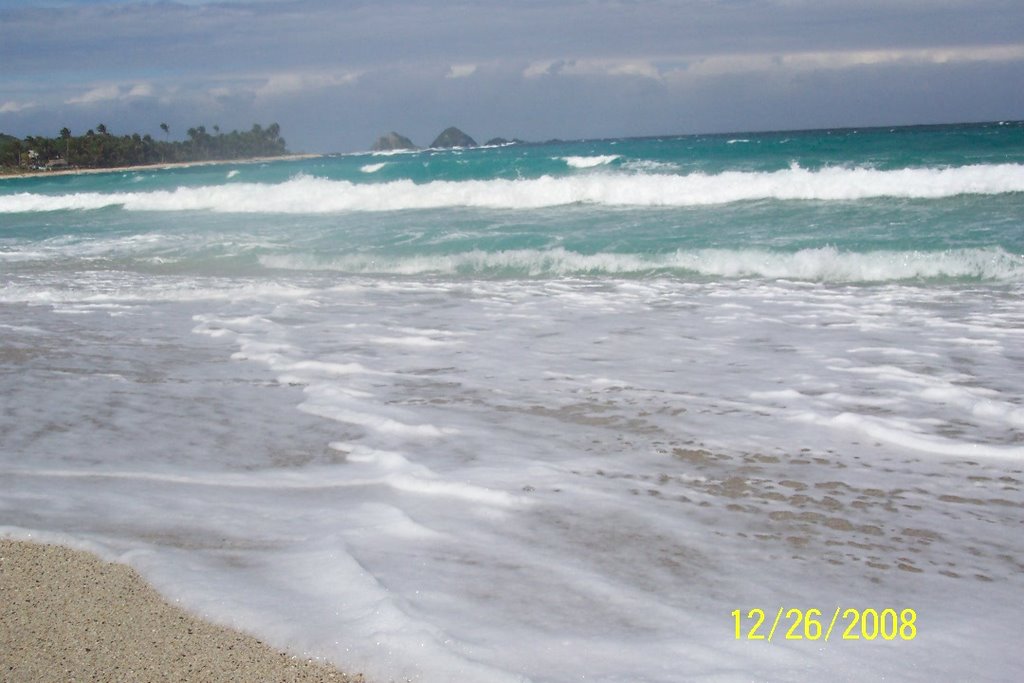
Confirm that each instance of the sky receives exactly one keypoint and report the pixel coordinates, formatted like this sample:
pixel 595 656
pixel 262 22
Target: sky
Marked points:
pixel 336 74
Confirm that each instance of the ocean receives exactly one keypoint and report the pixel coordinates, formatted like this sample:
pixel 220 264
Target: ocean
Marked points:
pixel 554 412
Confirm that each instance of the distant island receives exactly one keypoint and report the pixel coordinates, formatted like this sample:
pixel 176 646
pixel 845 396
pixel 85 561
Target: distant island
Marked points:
pixel 452 137
pixel 449 138
pixel 99 149
pixel 392 142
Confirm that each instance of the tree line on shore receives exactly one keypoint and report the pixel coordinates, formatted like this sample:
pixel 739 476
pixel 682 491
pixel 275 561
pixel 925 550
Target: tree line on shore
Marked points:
pixel 98 148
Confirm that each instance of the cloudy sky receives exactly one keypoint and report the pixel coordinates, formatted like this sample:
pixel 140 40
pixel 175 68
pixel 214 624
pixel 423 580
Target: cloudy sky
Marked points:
pixel 335 74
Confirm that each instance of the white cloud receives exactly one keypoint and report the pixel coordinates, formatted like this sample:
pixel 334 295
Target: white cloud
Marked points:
pixel 850 58
pixel 112 92
pixel 720 65
pixel 675 67
pixel 15 107
pixel 288 83
pixel 538 69
pixel 101 94
pixel 140 90
pixel 460 70
pixel 593 67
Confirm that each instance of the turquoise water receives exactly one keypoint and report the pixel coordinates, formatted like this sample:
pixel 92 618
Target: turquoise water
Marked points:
pixel 540 412
pixel 871 205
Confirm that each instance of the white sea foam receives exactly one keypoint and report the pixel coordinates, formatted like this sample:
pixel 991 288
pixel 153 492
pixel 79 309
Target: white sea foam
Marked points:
pixel 589 162
pixel 306 194
pixel 134 291
pixel 651 166
pixel 899 434
pixel 373 168
pixel 826 264
pixel 527 486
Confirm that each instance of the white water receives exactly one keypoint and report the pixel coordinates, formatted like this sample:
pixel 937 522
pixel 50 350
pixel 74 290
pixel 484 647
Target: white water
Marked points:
pixel 310 195
pixel 826 264
pixel 589 162
pixel 356 470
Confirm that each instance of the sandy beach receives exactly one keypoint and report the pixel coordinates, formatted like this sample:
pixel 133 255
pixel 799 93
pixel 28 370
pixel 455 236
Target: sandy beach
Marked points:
pixel 157 167
pixel 66 615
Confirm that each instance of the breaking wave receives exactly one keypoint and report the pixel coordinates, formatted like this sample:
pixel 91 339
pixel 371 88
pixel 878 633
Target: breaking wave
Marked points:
pixel 306 194
pixel 827 264
pixel 590 162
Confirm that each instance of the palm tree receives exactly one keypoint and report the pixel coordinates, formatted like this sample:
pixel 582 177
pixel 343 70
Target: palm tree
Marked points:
pixel 101 129
pixel 66 134
pixel 167 130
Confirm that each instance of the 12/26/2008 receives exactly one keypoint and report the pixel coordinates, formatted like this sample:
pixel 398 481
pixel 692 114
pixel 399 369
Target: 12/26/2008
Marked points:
pixel 854 624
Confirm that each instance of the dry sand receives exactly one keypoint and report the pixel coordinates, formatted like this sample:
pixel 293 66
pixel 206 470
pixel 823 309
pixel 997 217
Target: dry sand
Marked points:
pixel 68 616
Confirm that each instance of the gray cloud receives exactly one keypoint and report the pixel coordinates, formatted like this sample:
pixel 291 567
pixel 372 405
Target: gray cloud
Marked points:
pixel 335 74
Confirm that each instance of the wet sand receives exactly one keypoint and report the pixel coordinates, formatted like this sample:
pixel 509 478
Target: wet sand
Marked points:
pixel 66 615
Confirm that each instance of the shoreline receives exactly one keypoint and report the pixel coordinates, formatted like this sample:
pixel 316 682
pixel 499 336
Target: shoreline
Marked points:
pixel 157 167
pixel 68 615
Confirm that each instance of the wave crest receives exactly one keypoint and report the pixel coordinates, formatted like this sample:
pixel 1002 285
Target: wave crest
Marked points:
pixel 590 162
pixel 826 264
pixel 306 194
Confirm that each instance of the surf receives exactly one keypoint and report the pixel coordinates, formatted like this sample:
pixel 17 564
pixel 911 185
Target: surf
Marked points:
pixel 826 264
pixel 307 194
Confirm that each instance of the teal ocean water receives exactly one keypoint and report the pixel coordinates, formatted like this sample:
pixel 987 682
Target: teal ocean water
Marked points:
pixel 847 205
pixel 540 412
